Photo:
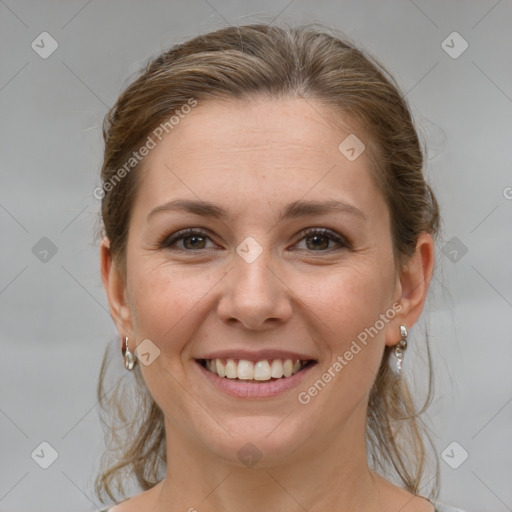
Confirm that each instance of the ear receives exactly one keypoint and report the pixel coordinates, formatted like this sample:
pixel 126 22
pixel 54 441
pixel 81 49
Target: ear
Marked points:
pixel 115 288
pixel 412 287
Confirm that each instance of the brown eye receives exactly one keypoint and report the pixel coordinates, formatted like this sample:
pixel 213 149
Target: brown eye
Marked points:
pixel 321 240
pixel 194 242
pixel 185 240
pixel 318 242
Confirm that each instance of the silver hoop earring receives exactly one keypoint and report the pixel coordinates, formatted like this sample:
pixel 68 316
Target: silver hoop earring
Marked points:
pixel 129 358
pixel 400 348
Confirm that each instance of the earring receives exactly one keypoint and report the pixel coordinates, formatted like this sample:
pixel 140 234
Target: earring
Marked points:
pixel 129 358
pixel 399 349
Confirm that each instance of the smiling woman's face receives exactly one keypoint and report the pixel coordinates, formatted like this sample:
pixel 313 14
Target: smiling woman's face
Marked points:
pixel 268 272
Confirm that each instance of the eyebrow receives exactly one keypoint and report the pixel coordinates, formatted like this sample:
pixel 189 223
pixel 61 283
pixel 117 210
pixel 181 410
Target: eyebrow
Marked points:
pixel 296 209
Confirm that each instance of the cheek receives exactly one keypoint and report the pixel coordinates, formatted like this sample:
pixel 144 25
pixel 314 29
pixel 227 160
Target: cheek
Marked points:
pixel 162 299
pixel 165 303
pixel 352 333
pixel 347 300
pixel 353 308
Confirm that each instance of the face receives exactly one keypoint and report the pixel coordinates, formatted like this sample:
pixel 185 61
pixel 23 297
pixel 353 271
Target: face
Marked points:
pixel 255 243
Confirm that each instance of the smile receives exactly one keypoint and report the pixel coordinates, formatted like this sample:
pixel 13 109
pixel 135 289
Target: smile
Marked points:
pixel 260 371
pixel 245 374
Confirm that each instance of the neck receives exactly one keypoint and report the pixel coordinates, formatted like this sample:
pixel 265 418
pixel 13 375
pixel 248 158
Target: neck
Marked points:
pixel 321 476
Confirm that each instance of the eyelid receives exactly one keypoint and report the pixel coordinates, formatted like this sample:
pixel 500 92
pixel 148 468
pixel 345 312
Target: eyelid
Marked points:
pixel 168 240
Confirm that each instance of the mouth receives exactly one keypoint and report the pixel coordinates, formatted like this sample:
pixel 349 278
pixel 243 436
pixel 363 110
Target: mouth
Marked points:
pixel 264 370
pixel 245 374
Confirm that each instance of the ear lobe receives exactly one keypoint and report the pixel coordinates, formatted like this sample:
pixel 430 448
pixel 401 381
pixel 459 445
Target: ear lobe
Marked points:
pixel 115 288
pixel 414 283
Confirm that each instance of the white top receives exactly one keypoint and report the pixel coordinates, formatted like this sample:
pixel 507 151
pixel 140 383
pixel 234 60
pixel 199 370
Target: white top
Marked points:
pixel 445 508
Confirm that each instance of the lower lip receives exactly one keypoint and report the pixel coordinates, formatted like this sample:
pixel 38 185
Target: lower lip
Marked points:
pixel 262 389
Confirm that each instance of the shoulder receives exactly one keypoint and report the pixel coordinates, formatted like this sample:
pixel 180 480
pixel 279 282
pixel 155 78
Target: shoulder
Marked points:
pixel 439 507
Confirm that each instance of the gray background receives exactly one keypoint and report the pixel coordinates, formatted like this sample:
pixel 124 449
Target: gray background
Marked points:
pixel 54 318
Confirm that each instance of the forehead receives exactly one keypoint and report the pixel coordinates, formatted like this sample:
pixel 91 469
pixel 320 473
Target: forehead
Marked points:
pixel 271 148
pixel 281 129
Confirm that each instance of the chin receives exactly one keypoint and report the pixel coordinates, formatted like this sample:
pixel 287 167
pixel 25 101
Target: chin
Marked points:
pixel 260 442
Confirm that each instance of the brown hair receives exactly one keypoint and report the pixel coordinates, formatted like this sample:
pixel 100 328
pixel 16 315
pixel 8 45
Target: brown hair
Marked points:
pixel 241 62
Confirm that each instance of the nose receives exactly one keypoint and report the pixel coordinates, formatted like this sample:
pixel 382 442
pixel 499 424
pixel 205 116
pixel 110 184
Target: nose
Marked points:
pixel 255 296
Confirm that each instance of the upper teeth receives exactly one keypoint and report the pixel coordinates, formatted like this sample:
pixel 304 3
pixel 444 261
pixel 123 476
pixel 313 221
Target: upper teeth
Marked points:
pixel 247 370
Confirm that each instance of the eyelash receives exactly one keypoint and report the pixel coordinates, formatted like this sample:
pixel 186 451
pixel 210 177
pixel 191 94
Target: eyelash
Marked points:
pixel 168 241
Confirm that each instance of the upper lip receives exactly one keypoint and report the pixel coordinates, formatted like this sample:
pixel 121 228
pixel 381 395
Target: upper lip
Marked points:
pixel 254 356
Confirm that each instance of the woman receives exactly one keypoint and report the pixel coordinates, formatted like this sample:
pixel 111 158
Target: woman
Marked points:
pixel 268 242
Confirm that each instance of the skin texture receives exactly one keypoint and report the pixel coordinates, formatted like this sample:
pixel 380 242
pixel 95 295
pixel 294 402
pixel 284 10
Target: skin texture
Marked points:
pixel 306 295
